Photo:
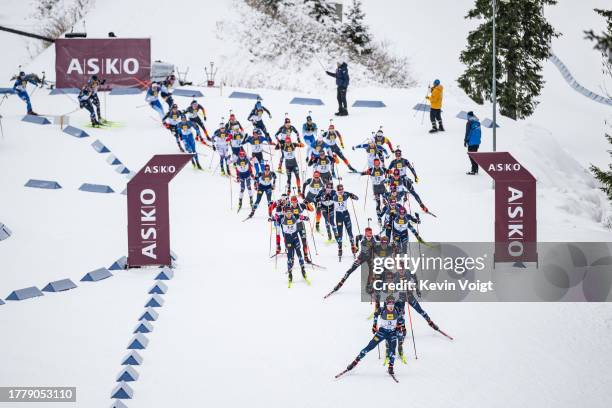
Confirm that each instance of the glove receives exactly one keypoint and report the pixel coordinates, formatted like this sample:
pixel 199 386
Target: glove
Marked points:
pixel 214 148
pixel 416 179
pixel 464 144
pixel 353 147
pixel 374 329
pixel 342 144
pixel 204 118
pixel 167 125
pixel 402 329
pixel 270 116
pixel 305 217
pixel 354 197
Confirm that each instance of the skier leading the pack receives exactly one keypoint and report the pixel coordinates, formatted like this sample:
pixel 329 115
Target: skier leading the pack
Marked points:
pixel 20 88
pixel 256 117
pixel 152 98
pixel 388 324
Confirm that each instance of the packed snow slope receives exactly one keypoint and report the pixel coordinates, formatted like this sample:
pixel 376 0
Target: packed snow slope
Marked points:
pixel 230 332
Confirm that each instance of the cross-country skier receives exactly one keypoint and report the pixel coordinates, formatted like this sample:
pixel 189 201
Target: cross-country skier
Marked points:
pixel 152 99
pixel 367 242
pixel 298 209
pixel 373 151
pixel 166 90
pixel 220 145
pixel 309 130
pixel 378 175
pixel 236 139
pixel 186 131
pixel 275 210
pixel 20 88
pixel 94 84
pixel 388 324
pixel 343 217
pixel 404 183
pixel 264 184
pixel 325 209
pixel 256 117
pixel 332 137
pixel 288 222
pixel 281 134
pixel 380 139
pixel 402 165
pixel 85 102
pixel 244 175
pixel 233 123
pixel 388 212
pixel 400 223
pixel 257 140
pixel 170 120
pixel 192 113
pixel 313 186
pixel 323 164
pixel 288 149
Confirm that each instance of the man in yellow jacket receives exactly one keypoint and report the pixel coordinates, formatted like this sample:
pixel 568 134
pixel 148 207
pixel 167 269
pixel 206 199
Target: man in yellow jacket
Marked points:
pixel 435 112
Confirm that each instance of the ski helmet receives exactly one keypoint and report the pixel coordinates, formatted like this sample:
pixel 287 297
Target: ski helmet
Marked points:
pixel 94 77
pixel 257 131
pixel 316 174
pixel 436 82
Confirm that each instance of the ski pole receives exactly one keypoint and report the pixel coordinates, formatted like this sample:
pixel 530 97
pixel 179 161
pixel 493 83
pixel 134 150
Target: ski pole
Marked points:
pixel 211 160
pixel 270 240
pixel 412 331
pixel 366 194
pixel 355 215
pixel 229 177
pixel 320 63
pixel 312 236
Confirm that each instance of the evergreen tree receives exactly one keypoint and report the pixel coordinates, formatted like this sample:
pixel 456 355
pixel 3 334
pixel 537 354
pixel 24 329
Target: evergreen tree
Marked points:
pixel 321 10
pixel 354 31
pixel 603 43
pixel 523 38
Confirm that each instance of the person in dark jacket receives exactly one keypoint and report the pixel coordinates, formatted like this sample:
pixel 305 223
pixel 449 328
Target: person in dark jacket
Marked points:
pixel 472 139
pixel 342 83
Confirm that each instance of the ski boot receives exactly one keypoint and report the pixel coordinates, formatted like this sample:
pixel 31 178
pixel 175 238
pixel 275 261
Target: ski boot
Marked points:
pixel 222 172
pixel 353 364
pixel 251 201
pixel 317 225
pixel 304 275
pixel 432 324
pixel 278 249
pixel 390 369
pixel 351 168
pixel 340 251
pixel 290 278
pixel 239 204
pixel 329 236
pixel 403 358
pixel 353 248
pixel 31 112
pixel 252 213
pixel 425 209
pixel 386 361
pixel 471 173
pixel 227 170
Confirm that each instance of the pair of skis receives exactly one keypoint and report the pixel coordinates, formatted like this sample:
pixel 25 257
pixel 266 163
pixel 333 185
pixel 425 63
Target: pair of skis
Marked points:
pixel 392 375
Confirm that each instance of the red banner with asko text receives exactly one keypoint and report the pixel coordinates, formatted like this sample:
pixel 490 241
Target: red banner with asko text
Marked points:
pixel 148 210
pixel 122 62
pixel 515 207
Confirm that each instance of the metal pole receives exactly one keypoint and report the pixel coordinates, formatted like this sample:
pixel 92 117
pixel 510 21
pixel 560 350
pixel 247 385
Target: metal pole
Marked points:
pixel 494 81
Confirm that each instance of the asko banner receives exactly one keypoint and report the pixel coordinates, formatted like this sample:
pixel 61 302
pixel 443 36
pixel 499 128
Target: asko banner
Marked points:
pixel 515 207
pixel 123 62
pixel 148 210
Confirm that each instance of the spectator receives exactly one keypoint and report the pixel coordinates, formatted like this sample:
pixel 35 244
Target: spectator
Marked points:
pixel 435 112
pixel 472 139
pixel 342 82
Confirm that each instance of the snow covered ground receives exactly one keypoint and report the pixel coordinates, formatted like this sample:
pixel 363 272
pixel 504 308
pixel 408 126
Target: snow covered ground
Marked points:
pixel 230 332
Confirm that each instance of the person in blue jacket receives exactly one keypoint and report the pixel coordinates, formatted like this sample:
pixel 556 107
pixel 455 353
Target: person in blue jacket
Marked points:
pixel 20 89
pixel 472 139
pixel 342 83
